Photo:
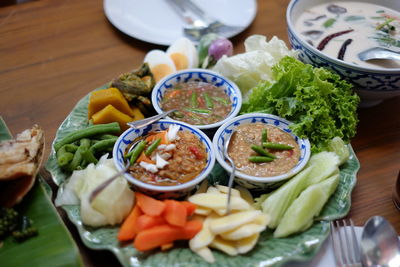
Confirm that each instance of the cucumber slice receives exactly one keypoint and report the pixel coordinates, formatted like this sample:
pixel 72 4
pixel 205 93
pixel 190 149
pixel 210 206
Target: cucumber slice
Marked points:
pixel 309 204
pixel 338 146
pixel 324 165
pixel 321 166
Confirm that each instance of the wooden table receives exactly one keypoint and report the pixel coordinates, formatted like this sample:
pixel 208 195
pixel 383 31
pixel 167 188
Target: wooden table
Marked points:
pixel 52 53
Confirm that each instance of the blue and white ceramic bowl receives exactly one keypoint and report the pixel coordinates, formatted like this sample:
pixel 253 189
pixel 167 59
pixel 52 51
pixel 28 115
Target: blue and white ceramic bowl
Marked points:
pixel 373 85
pixel 253 182
pixel 200 75
pixel 175 191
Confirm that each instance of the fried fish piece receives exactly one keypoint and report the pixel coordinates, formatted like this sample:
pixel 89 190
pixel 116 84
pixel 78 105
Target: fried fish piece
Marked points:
pixel 20 161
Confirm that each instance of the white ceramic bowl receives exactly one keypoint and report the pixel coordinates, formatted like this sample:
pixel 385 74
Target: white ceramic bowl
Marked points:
pixel 201 75
pixel 249 181
pixel 175 191
pixel 373 85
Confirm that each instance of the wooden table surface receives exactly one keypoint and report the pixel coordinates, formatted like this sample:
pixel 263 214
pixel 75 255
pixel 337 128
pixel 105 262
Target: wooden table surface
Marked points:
pixel 52 53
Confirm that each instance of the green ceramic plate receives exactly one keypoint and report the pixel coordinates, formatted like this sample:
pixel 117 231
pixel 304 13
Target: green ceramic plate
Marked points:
pixel 54 245
pixel 268 251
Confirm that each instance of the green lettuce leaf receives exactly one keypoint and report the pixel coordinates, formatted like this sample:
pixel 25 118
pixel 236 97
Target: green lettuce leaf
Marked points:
pixel 319 102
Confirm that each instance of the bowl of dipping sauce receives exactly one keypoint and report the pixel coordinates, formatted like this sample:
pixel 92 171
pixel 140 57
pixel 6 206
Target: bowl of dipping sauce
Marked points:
pixel 202 98
pixel 332 34
pixel 171 158
pixel 264 149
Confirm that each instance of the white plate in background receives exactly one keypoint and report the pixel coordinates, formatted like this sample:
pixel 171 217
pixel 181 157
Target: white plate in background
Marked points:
pixel 155 21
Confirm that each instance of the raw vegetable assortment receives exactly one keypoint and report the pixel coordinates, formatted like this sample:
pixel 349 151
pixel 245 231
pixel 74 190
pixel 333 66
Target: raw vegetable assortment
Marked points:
pixel 321 105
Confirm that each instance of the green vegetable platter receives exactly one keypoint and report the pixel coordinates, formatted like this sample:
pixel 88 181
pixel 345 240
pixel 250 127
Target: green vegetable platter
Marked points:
pixel 269 251
pixel 54 245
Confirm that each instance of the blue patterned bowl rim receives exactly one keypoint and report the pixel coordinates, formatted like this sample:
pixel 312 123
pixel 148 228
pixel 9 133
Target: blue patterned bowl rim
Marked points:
pixel 321 55
pixel 230 88
pixel 226 130
pixel 129 135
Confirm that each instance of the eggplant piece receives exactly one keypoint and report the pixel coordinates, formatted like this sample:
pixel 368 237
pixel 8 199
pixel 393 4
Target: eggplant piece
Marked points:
pixel 313 34
pixel 337 10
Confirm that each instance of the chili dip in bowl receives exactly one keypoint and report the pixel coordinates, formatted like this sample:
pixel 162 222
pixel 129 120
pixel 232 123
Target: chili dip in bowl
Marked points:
pixel 263 148
pixel 203 98
pixel 168 160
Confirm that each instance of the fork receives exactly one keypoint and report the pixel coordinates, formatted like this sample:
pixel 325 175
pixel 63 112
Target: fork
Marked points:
pixel 199 23
pixel 345 244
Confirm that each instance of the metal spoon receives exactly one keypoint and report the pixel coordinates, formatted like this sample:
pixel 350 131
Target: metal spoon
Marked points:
pixel 150 120
pixel 107 182
pixel 379 243
pixel 378 53
pixel 232 176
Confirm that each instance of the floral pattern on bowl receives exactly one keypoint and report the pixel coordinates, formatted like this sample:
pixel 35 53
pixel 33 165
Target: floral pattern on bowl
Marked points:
pixel 252 182
pixel 176 191
pixel 372 85
pixel 200 75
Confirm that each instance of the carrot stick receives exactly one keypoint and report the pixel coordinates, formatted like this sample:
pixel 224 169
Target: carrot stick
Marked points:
pixel 128 228
pixel 191 228
pixel 157 236
pixel 146 221
pixel 160 235
pixel 149 205
pixel 175 212
pixel 190 207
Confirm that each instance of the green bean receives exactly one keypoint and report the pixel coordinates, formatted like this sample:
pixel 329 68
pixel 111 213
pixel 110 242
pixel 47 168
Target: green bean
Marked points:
pixel 134 154
pixel 260 159
pixel 178 114
pixel 109 128
pixel 103 145
pixel 71 148
pixel 77 159
pixel 88 156
pixel 262 151
pixel 208 101
pixel 152 147
pixel 199 110
pixel 277 146
pixel 264 136
pixel 193 100
pixel 221 100
pixel 63 156
pixel 107 136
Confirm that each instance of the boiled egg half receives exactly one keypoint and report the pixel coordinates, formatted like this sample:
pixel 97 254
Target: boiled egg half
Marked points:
pixel 160 64
pixel 182 54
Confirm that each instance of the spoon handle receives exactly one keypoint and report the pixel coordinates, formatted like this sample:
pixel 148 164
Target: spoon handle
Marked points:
pixel 103 185
pixel 230 184
pixel 142 123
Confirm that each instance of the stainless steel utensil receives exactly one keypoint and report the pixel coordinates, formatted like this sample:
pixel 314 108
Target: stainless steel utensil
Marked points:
pixel 232 175
pixel 379 243
pixel 107 182
pixel 378 53
pixel 199 23
pixel 345 244
pixel 142 123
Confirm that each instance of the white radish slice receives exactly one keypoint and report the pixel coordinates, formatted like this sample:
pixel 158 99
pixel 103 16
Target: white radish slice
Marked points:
pixel 233 221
